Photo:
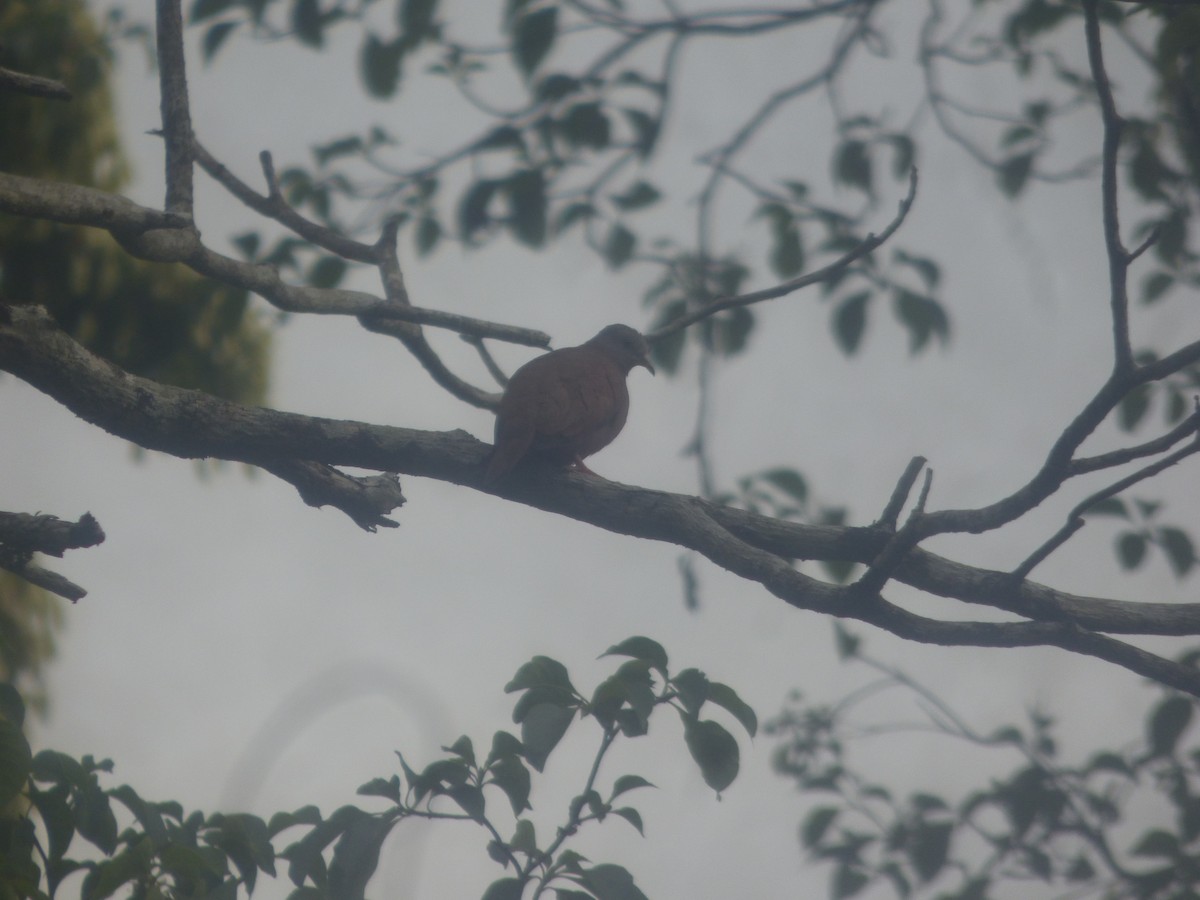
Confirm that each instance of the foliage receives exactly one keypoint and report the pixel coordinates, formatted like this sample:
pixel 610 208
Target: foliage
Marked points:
pixel 164 851
pixel 1123 823
pixel 160 321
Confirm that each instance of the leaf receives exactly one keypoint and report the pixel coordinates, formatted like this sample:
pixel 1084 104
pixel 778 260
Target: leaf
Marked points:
pixel 16 760
pixel 638 195
pixel 1133 407
pixel 714 750
pixel 850 321
pixel 619 246
pixel 327 271
pixel 847 642
pixel 429 232
pixel 12 707
pixel 473 212
pixel 904 153
pixel 511 776
pixel 541 671
pixel 1181 554
pixel 416 18
pixel 533 36
pixel 1156 285
pixel 632 816
pixel 505 889
pixel 927 269
pixel 215 36
pixel 816 823
pixel 307 22
pixel 542 729
pixel 852 165
pixel 691 686
pixel 611 882
pixel 1167 724
pixel 586 125
pixel 923 317
pixel 527 199
pixel 928 846
pixel 787 253
pixel 1014 173
pixel 356 855
pixel 642 648
pixel 725 697
pixel 206 9
pixel 380 61
pixel 645 127
pixel 848 880
pixel 789 481
pixel 628 783
pixel 1157 842
pixel 1131 549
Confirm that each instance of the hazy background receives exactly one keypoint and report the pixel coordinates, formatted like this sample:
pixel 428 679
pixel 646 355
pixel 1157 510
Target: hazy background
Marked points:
pixel 262 654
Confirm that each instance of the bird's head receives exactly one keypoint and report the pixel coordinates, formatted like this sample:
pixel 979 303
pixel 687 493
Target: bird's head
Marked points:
pixel 625 346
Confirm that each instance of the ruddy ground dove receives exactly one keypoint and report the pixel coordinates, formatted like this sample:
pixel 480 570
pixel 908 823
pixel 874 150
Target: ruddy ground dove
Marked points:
pixel 567 404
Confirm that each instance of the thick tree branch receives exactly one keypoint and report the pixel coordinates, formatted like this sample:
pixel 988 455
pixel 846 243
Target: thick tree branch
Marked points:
pixel 191 424
pixel 22 535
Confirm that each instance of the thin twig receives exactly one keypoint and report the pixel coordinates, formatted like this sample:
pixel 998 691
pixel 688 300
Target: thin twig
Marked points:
pixel 176 117
pixel 868 245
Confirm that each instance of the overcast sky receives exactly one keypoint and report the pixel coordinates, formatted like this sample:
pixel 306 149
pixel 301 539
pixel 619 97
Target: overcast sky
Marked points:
pixel 238 648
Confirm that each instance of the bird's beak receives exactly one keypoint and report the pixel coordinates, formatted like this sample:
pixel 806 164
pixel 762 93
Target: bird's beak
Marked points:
pixel 645 361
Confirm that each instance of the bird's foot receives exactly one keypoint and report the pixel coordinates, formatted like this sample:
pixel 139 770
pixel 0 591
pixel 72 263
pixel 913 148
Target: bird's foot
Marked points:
pixel 578 466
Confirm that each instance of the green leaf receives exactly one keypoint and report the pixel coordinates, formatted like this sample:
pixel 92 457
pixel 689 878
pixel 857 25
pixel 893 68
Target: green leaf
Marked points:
pixel 12 707
pixel 206 9
pixel 505 889
pixel 611 882
pixel 533 36
pixel 1133 407
pixel 848 880
pixel 416 18
pixel 1181 554
pixel 714 750
pixel 789 481
pixel 1167 723
pixel 691 686
pixel 632 816
pixel 638 195
pixel 787 253
pixel 816 823
pixel 356 855
pixel 645 128
pixel 923 317
pixel 642 648
pixel 852 165
pixel 16 760
pixel 504 746
pixel 628 783
pixel 380 61
pixel 725 697
pixel 850 321
pixel 473 214
pixel 618 248
pixel 572 213
pixel 327 271
pixel 215 36
pixel 1156 285
pixel 502 137
pixel 586 125
pixel 556 86
pixel 542 729
pixel 928 847
pixel 511 776
pixel 527 200
pixel 1131 549
pixel 307 22
pixel 904 153
pixel 1014 173
pixel 847 642
pixel 1157 842
pixel 927 269
pixel 342 147
pixel 524 837
pixel 429 232
pixel 541 671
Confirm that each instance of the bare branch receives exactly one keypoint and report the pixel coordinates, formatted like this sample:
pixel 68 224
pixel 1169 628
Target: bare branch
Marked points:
pixel 22 535
pixel 868 245
pixel 1118 256
pixel 891 513
pixel 33 85
pixel 176 117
